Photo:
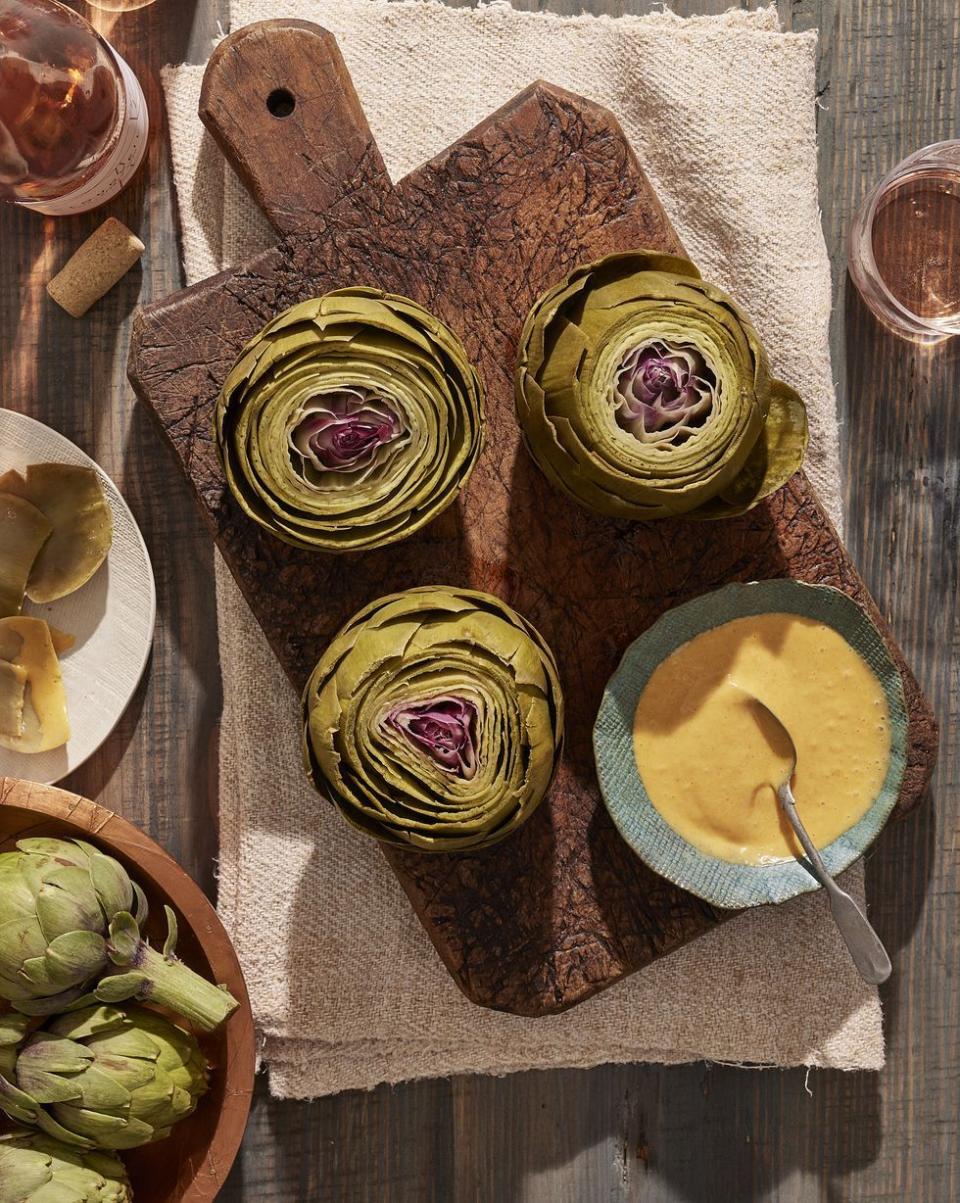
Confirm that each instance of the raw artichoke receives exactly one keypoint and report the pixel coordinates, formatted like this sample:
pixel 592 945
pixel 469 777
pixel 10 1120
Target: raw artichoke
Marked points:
pixel 70 921
pixel 103 1078
pixel 434 719
pixel 349 421
pixel 644 392
pixel 35 1168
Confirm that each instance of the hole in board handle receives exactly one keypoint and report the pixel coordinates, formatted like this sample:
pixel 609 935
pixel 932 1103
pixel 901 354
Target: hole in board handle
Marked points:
pixel 281 103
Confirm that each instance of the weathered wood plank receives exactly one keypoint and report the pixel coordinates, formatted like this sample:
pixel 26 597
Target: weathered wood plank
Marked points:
pixel 661 1135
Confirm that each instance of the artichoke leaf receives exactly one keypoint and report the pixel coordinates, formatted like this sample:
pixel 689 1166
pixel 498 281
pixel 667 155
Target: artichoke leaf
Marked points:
pixel 110 882
pixel 47 1124
pixel 47 1004
pixel 73 958
pixel 118 987
pixel 52 1054
pixel 23 531
pixel 19 934
pixel 124 940
pixel 44 724
pixel 68 901
pixel 13 688
pixel 65 852
pixel 91 1021
pixel 170 943
pixel 103 1090
pixel 73 502
pixel 777 456
pixel 13 1028
pixel 17 1103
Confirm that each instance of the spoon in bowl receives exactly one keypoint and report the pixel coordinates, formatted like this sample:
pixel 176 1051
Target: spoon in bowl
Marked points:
pixel 866 948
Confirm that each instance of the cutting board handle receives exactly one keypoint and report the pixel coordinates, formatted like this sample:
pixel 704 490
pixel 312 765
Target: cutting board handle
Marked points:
pixel 280 103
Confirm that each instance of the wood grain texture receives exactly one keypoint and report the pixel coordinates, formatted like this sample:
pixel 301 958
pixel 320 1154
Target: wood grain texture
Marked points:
pixel 191 1166
pixel 617 1134
pixel 563 908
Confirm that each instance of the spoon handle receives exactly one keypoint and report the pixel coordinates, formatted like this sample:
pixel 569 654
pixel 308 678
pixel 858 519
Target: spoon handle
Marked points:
pixel 866 947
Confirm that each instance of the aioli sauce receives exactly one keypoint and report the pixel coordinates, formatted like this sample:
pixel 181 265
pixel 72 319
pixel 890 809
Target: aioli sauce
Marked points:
pixel 710 761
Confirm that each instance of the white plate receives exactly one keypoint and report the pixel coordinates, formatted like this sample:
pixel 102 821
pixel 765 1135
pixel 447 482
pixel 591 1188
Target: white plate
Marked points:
pixel 111 616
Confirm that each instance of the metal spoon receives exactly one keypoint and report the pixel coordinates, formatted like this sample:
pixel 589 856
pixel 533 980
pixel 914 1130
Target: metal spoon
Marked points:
pixel 866 949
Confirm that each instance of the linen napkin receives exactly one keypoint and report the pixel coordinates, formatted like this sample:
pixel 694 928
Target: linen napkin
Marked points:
pixel 347 989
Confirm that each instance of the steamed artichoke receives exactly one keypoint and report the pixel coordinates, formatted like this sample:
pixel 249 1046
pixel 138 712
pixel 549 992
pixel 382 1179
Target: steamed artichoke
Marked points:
pixel 70 921
pixel 35 1168
pixel 349 421
pixel 644 392
pixel 103 1078
pixel 434 719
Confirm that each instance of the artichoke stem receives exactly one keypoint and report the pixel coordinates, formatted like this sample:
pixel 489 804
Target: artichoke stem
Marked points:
pixel 170 983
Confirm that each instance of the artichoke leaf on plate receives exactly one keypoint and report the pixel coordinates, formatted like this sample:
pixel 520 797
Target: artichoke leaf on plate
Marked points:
pixel 13 688
pixel 434 720
pixel 23 532
pixel 72 500
pixel 644 392
pixel 27 651
pixel 61 640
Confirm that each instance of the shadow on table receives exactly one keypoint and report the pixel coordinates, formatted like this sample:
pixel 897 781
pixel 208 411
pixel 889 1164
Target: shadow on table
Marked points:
pixel 903 423
pixel 687 1134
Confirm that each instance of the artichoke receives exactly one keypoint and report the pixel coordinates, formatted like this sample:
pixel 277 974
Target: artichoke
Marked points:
pixel 103 1078
pixel 35 1168
pixel 644 392
pixel 434 719
pixel 350 421
pixel 70 921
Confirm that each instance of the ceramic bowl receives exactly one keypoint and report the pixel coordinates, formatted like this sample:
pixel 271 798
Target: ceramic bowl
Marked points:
pixel 724 883
pixel 192 1164
pixel 111 617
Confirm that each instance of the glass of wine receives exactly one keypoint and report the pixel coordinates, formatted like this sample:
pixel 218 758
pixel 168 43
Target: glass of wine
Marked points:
pixel 73 120
pixel 904 246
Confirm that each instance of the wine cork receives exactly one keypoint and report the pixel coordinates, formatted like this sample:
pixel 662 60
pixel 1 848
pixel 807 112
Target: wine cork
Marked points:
pixel 95 266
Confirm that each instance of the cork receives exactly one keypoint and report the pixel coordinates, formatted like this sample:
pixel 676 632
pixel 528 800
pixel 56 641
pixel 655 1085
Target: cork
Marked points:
pixel 95 266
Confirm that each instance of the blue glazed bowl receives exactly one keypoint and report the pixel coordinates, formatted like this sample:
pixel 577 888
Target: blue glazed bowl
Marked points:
pixel 724 883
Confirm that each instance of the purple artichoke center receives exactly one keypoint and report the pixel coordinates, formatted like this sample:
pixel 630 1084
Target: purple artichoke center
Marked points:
pixel 343 430
pixel 445 728
pixel 662 392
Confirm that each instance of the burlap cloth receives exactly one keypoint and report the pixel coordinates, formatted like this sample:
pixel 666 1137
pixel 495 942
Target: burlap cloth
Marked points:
pixel 346 987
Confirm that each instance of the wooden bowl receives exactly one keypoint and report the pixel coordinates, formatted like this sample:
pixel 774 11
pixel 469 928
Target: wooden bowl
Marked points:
pixel 191 1165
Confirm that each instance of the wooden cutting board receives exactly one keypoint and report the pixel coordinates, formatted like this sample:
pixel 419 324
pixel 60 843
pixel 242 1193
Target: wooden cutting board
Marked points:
pixel 563 908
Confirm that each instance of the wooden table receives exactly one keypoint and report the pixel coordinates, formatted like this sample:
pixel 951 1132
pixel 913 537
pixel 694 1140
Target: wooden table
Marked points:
pixel 889 82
